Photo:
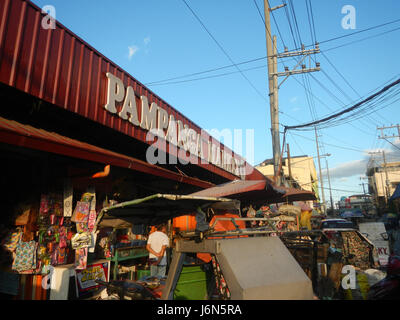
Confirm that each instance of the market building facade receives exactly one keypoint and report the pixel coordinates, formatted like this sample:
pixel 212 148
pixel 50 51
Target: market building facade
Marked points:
pixel 74 123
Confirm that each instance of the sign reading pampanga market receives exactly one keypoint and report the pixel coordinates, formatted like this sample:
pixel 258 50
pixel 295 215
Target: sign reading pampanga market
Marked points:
pixel 158 123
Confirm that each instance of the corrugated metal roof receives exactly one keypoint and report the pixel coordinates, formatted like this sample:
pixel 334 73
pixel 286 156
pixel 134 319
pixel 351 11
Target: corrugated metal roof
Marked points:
pixel 15 133
pixel 59 67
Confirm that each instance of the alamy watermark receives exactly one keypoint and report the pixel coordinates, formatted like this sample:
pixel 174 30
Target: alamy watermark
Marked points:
pixel 349 20
pixel 349 281
pixel 190 147
pixel 49 20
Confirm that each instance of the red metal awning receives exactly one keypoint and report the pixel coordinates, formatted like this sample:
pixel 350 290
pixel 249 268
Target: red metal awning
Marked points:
pixel 259 191
pixel 22 135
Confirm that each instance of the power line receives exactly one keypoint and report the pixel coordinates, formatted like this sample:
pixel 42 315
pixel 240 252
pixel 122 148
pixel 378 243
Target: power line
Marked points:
pixel 208 77
pixel 352 108
pixel 311 21
pixel 293 12
pixel 264 57
pixel 323 103
pixel 328 144
pixel 223 50
pixel 340 89
pixel 360 31
pixel 290 23
pixel 206 71
pixel 363 39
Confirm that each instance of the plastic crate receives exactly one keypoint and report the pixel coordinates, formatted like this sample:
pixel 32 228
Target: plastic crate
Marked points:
pixel 142 273
pixel 192 283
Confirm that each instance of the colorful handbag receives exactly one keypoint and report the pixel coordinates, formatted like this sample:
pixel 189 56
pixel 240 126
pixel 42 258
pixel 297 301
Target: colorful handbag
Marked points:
pixel 25 256
pixel 11 242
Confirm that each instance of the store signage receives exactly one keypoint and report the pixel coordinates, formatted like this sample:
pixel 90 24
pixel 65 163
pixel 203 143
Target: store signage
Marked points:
pixel 383 252
pixel 86 278
pixel 156 120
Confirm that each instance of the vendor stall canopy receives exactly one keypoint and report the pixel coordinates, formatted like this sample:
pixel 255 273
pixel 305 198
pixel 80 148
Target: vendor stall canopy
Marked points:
pixel 256 192
pixel 159 208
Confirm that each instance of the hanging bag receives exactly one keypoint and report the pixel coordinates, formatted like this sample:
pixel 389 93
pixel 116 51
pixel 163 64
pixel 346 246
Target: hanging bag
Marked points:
pixel 11 242
pixel 25 256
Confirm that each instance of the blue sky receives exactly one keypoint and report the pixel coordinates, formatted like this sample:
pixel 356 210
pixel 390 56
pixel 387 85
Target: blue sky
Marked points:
pixel 155 40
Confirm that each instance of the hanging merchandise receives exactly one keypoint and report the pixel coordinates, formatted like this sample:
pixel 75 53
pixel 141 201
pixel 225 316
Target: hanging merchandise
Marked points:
pixel 54 254
pixel 82 227
pixel 92 219
pixel 92 211
pixel 25 256
pixel 81 240
pixel 68 198
pixel 62 233
pixel 12 240
pixel 53 232
pixel 61 255
pixel 81 258
pixel 44 205
pixel 57 204
pixel 81 212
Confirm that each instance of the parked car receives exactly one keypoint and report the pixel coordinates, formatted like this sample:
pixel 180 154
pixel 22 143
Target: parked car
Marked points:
pixel 336 224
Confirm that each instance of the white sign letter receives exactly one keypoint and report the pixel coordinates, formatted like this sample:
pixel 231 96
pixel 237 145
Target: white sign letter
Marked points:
pixel 116 92
pixel 149 115
pixel 130 107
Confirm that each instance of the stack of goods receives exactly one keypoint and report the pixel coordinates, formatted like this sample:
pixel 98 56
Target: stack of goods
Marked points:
pixel 221 285
pixel 85 217
pixel 55 231
pixel 45 235
pixel 354 245
pixel 42 237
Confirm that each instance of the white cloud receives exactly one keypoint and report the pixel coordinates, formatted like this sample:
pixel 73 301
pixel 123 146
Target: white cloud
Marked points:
pixel 293 100
pixel 146 40
pixel 348 169
pixel 132 51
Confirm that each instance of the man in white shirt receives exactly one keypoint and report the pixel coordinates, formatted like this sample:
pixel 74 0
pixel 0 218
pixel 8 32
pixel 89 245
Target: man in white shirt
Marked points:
pixel 156 245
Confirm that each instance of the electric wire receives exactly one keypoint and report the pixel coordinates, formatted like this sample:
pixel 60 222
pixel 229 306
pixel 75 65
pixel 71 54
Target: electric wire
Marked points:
pixel 223 50
pixel 363 39
pixel 290 23
pixel 329 144
pixel 350 109
pixel 263 58
pixel 346 81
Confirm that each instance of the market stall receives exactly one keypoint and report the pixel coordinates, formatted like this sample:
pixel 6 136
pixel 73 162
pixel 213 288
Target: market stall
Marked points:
pixel 53 250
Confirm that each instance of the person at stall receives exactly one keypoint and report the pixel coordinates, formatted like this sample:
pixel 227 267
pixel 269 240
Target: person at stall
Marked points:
pixel 156 245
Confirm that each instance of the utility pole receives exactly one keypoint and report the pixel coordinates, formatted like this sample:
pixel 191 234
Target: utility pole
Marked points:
pixel 330 188
pixel 383 136
pixel 289 165
pixel 273 74
pixel 320 173
pixel 385 189
pixel 273 87
pixel 387 177
pixel 362 184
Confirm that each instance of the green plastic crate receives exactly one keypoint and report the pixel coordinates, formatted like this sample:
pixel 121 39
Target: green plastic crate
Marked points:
pixel 142 273
pixel 192 283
